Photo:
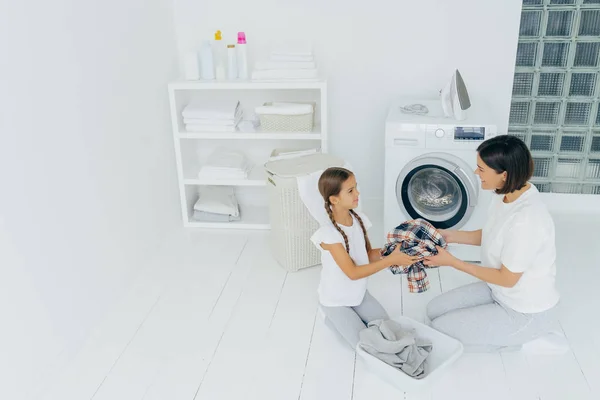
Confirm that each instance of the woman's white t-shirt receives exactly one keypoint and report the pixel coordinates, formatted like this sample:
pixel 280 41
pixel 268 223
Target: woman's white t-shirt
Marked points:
pixel 335 288
pixel 520 236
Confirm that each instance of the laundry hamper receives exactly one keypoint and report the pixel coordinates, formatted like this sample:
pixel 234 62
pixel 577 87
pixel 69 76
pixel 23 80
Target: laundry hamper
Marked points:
pixel 275 122
pixel 291 223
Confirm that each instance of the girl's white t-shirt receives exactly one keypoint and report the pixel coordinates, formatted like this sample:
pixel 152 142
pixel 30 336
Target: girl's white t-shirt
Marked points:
pixel 520 236
pixel 335 288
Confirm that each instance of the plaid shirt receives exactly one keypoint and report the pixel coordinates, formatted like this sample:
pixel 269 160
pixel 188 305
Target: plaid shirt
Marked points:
pixel 415 238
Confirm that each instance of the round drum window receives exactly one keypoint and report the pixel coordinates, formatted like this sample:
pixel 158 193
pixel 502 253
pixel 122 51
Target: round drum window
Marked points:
pixel 435 194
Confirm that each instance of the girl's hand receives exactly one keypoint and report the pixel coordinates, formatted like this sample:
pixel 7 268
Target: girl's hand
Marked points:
pixel 443 258
pixel 397 257
pixel 448 235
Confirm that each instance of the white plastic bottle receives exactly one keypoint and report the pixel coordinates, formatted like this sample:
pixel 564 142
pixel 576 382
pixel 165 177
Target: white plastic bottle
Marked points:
pixel 207 65
pixel 242 56
pixel 219 56
pixel 232 72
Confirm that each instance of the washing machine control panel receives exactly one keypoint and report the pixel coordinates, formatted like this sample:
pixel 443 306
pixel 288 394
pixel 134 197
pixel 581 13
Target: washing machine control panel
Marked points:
pixel 458 136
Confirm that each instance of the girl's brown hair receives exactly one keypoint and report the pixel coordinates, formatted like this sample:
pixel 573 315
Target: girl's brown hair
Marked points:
pixel 330 184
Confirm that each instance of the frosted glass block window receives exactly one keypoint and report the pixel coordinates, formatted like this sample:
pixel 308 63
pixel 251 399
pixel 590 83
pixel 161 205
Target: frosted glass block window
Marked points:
pixel 595 145
pixel 560 23
pixel 519 113
pixel 542 141
pixel 586 54
pixel 578 113
pixel 555 107
pixel 572 144
pixel 591 189
pixel 583 84
pixel 546 113
pixel 527 54
pixel 522 84
pixel 551 84
pixel 592 171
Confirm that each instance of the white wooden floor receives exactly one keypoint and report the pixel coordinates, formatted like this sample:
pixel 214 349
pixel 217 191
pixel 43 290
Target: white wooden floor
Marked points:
pixel 219 319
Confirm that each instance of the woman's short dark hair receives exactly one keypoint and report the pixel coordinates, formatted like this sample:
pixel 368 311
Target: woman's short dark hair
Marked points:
pixel 510 154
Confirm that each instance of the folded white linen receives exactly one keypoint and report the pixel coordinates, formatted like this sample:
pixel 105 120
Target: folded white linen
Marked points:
pixel 227 159
pixel 221 109
pixel 209 128
pixel 213 122
pixel 217 200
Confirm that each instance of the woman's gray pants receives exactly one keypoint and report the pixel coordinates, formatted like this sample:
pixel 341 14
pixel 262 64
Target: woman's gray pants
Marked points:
pixel 473 316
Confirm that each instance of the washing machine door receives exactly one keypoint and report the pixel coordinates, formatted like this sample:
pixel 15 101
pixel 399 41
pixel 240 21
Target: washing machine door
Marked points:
pixel 438 187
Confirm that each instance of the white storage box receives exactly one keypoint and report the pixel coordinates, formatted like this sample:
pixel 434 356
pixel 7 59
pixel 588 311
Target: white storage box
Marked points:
pixel 291 223
pixel 445 352
pixel 273 121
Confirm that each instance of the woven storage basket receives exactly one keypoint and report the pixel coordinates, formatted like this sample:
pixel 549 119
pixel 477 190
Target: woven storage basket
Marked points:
pixel 291 223
pixel 287 123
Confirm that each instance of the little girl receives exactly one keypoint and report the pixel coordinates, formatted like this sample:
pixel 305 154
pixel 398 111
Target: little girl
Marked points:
pixel 348 258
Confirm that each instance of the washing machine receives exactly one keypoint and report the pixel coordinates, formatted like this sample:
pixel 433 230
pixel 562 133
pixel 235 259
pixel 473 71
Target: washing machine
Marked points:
pixel 429 170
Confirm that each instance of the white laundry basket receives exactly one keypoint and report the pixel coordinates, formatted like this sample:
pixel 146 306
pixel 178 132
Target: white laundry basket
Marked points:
pixel 291 223
pixel 445 352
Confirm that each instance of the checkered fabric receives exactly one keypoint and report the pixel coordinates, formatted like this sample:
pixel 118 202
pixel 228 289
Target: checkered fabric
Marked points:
pixel 415 238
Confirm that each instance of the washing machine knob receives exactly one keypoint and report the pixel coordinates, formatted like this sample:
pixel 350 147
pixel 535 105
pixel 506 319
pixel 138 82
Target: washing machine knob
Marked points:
pixel 439 133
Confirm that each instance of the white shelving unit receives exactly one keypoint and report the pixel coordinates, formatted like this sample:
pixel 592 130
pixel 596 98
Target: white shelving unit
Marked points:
pixel 192 148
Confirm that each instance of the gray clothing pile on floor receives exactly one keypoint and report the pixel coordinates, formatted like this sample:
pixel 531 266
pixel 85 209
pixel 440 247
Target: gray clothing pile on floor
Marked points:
pixel 397 346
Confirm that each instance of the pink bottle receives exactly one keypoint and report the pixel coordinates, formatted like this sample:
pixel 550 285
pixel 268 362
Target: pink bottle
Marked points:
pixel 242 56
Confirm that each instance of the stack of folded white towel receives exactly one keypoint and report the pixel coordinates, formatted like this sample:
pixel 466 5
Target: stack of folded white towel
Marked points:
pixel 216 204
pixel 221 116
pixel 287 64
pixel 226 164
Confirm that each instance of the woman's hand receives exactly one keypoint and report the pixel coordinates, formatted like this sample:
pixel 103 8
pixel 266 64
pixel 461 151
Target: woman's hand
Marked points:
pixel 397 257
pixel 442 258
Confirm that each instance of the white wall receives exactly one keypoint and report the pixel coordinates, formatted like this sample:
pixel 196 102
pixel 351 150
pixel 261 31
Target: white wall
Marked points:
pixel 372 52
pixel 86 168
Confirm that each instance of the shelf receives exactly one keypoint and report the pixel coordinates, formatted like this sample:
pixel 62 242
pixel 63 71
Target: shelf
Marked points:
pixel 245 85
pixel 315 135
pixel 253 217
pixel 256 177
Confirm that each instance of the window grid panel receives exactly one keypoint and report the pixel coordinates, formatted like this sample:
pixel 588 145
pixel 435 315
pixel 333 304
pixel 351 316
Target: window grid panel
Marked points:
pixel 551 84
pixel 577 114
pixel 572 144
pixel 543 167
pixel 586 54
pixel 569 168
pixel 546 113
pixel 543 141
pixel 591 189
pixel 595 143
pixel 527 54
pixel 560 23
pixel 592 171
pixel 589 23
pixel 564 187
pixel 560 2
pixel 582 84
pixel 519 113
pixel 566 159
pixel 523 84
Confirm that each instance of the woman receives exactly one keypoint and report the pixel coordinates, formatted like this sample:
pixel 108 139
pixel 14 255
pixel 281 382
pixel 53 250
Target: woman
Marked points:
pixel 516 301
